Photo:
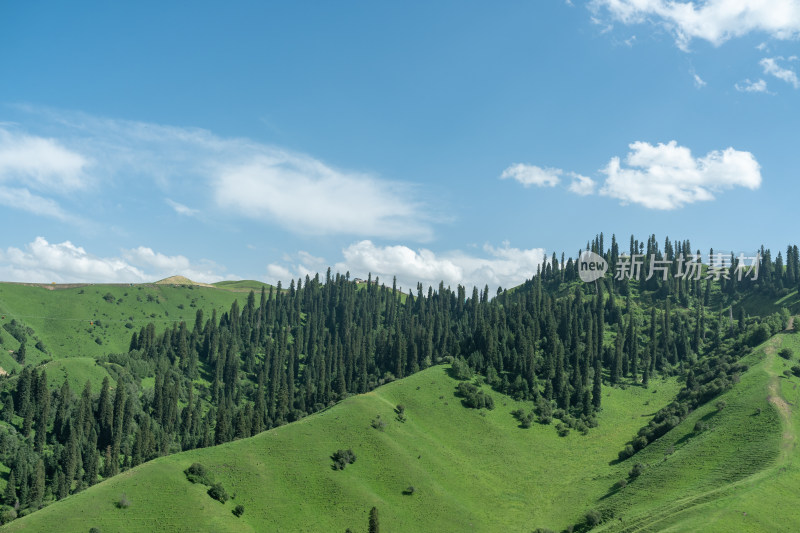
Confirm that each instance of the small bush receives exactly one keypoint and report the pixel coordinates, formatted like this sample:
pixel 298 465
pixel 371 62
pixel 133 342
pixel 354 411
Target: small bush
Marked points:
pixel 342 458
pixel 474 397
pixel 94 530
pixel 7 514
pixel 593 518
pixel 700 427
pixel 378 424
pixel 198 473
pixel 627 452
pixel 621 484
pixel 636 471
pixel 218 492
pixel 786 353
pixel 123 502
pixel 722 404
pixel 461 369
pixel 409 490
pixel 796 370
pixel 238 511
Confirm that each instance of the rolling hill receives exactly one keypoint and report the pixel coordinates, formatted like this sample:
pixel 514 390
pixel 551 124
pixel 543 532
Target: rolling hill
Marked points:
pixel 472 470
pixel 477 470
pixel 93 320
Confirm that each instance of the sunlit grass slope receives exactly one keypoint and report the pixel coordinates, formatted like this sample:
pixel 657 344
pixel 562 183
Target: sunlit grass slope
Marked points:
pixel 741 474
pixel 95 320
pixel 471 470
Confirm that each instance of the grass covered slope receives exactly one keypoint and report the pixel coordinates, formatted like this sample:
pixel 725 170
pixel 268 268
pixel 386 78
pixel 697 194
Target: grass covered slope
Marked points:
pixel 94 320
pixel 242 285
pixel 471 470
pixel 769 500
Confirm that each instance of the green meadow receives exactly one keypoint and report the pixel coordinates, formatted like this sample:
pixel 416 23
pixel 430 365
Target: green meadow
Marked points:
pixel 471 470
pixel 94 320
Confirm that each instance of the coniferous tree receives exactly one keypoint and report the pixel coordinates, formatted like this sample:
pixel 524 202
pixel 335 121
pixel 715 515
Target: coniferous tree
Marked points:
pixel 374 523
pixel 21 354
pixel 43 406
pixel 38 486
pixel 10 494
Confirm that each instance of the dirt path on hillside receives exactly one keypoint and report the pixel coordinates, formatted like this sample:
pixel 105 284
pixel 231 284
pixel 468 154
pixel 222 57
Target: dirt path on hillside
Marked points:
pixel 774 392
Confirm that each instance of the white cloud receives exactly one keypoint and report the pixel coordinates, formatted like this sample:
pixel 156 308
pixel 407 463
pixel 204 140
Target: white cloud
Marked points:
pixel 43 262
pixel 307 196
pixel 505 266
pixel 771 67
pixel 698 81
pixel 715 21
pixel 163 266
pixel 280 273
pixel 29 162
pixel 581 185
pixel 238 177
pixel 304 264
pixel 496 267
pixel 22 198
pixel 759 86
pixel 667 176
pixel 529 175
pixel 182 209
pixel 40 163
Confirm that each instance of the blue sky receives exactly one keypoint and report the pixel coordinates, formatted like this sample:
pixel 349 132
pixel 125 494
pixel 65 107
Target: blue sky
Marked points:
pixel 448 140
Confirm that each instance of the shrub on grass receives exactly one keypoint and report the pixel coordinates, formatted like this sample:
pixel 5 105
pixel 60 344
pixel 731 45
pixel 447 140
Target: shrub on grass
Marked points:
pixel 123 502
pixel 627 452
pixel 461 369
pixel 636 471
pixel 593 518
pixel 218 492
pixel 378 424
pixel 342 458
pixel 474 397
pixel 786 353
pixel 198 473
pixel 238 511
pixel 7 514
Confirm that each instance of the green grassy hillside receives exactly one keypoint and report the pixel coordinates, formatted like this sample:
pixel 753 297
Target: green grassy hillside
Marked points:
pixel 94 320
pixel 472 470
pixel 478 470
pixel 244 285
pixel 707 484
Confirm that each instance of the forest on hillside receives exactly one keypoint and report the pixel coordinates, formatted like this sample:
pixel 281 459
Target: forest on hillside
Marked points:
pixel 290 352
